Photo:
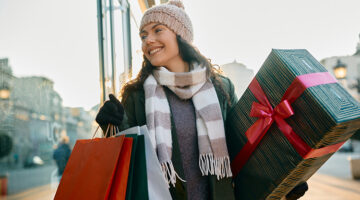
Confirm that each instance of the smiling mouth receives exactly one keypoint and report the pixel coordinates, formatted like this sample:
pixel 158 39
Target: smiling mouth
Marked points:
pixel 155 50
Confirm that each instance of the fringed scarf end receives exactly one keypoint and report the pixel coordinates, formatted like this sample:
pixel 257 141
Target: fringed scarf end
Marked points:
pixel 170 173
pixel 215 166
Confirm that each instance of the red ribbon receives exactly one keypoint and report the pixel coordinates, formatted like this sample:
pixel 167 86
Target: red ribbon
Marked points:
pixel 268 115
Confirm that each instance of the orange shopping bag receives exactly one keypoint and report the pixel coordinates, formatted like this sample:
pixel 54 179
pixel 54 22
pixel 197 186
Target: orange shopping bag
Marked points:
pixel 97 169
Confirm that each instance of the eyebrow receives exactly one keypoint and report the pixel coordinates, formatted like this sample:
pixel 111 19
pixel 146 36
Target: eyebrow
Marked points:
pixel 143 31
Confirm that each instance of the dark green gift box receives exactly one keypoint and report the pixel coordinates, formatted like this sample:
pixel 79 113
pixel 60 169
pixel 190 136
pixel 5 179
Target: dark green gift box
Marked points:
pixel 283 151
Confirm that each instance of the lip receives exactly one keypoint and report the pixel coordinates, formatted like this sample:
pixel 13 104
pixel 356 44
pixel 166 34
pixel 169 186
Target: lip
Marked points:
pixel 154 50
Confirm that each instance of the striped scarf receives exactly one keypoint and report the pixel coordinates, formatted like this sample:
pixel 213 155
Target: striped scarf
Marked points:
pixel 213 158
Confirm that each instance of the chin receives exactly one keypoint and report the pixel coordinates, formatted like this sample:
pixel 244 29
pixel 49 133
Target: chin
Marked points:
pixel 156 63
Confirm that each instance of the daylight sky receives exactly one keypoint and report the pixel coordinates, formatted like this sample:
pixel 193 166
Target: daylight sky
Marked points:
pixel 58 39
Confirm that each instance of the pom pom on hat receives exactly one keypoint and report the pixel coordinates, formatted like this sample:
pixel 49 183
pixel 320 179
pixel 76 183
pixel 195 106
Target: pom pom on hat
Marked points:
pixel 177 3
pixel 172 15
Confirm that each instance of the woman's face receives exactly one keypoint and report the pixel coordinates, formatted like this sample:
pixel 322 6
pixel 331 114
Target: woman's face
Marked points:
pixel 159 45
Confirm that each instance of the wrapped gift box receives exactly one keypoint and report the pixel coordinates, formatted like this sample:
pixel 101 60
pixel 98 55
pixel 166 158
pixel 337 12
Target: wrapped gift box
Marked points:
pixel 290 120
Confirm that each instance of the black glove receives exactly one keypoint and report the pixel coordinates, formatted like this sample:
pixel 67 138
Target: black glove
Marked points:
pixel 112 112
pixel 297 192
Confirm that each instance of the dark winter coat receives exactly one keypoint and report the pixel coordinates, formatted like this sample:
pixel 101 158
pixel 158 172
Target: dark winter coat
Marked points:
pixel 61 156
pixel 134 105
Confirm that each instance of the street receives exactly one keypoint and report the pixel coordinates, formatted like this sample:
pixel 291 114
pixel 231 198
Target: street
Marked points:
pixel 23 179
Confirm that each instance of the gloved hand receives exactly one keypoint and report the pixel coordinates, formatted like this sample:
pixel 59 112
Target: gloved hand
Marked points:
pixel 297 192
pixel 112 112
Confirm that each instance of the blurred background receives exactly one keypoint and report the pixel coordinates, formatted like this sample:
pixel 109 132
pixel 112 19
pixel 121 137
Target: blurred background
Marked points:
pixel 60 59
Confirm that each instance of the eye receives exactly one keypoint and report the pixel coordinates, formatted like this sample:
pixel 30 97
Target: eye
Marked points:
pixel 143 37
pixel 158 30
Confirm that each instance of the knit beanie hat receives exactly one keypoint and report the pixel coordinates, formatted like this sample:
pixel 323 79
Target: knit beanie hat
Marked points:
pixel 172 15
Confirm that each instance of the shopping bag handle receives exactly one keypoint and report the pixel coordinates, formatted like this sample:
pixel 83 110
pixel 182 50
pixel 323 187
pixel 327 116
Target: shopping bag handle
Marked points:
pixel 111 129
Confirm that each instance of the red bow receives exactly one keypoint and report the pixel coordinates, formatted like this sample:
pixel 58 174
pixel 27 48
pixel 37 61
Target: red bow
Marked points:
pixel 268 115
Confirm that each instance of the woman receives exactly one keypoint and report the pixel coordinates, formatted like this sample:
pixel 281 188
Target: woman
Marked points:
pixel 183 101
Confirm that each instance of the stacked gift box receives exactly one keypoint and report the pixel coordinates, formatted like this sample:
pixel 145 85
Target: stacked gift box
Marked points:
pixel 290 120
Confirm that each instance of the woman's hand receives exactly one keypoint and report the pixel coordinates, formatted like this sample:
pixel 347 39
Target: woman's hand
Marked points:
pixel 112 112
pixel 297 192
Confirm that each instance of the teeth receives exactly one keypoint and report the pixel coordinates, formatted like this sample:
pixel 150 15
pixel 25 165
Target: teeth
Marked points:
pixel 154 51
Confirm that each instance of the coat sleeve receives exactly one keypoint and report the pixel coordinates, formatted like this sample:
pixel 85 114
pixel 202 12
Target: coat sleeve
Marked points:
pixel 233 97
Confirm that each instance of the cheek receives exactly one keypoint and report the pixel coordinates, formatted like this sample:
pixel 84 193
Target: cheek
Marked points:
pixel 174 48
pixel 143 48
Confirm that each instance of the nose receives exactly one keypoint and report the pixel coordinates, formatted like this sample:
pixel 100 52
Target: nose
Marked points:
pixel 149 39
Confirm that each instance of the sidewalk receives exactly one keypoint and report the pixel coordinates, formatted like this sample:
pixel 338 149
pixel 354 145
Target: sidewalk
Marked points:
pixel 332 182
pixel 325 187
pixel 45 192
pixel 321 187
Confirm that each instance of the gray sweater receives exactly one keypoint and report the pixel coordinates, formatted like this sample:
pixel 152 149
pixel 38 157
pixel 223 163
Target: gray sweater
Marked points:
pixel 183 114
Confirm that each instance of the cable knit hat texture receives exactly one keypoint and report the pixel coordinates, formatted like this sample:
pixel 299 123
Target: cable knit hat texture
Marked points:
pixel 173 15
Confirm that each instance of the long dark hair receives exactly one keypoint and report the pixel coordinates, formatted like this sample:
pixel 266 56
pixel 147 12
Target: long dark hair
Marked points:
pixel 189 54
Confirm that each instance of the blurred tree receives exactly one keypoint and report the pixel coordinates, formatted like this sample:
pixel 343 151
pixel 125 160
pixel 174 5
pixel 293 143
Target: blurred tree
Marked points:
pixel 5 145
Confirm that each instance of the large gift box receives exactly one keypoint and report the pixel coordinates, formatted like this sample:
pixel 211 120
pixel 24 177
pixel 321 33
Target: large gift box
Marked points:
pixel 290 120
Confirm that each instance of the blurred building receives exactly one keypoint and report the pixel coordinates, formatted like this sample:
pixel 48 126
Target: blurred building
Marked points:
pixel 32 114
pixel 6 84
pixel 6 111
pixel 37 109
pixel 78 124
pixel 239 75
pixel 351 80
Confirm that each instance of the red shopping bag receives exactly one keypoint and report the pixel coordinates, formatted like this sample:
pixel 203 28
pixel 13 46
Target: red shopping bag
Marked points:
pixel 119 185
pixel 92 168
